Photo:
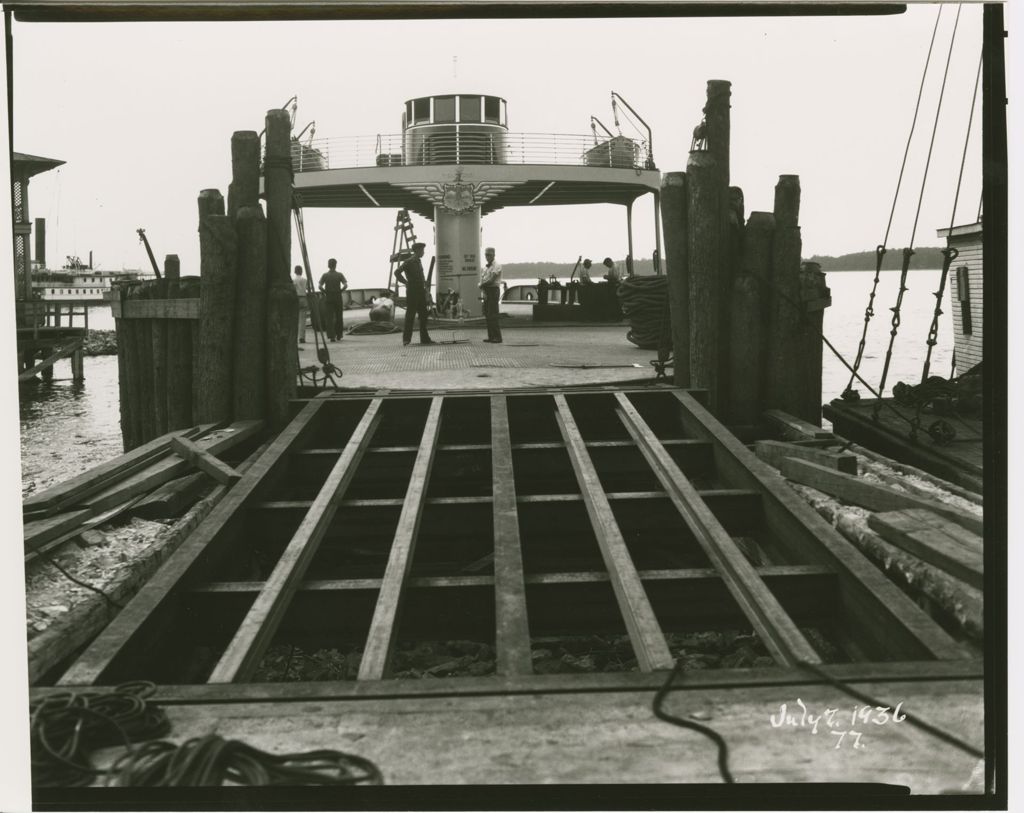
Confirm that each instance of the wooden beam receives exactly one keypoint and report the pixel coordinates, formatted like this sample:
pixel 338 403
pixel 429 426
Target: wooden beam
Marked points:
pixel 883 619
pixel 900 674
pixel 773 451
pixel 935 540
pixel 513 631
pixel 41 531
pixel 768 572
pixel 644 631
pixel 771 622
pixel 871 495
pixel 257 629
pixel 155 309
pixel 172 498
pixel 204 461
pixel 69 491
pixel 91 664
pixel 170 468
pixel 384 626
pixel 793 428
pixel 47 362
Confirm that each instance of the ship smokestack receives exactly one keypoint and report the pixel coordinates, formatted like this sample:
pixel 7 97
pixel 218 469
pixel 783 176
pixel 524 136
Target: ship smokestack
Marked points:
pixel 41 241
pixel 90 259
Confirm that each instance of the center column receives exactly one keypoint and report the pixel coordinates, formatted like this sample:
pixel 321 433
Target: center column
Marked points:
pixel 458 255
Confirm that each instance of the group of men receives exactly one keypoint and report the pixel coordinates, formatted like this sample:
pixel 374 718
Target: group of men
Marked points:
pixel 410 274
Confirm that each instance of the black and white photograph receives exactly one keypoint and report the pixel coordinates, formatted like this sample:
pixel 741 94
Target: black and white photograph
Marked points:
pixel 507 406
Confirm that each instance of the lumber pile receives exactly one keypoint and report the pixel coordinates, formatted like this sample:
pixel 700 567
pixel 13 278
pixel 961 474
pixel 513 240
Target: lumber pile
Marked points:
pixel 927 535
pixel 159 477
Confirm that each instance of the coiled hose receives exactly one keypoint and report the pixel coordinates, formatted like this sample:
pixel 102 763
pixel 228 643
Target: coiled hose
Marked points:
pixel 644 301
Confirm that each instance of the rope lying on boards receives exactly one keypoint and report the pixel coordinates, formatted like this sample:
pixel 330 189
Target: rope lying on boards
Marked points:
pixel 66 728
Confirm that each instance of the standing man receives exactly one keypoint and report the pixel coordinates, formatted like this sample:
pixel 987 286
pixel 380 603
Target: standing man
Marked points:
pixel 490 284
pixel 410 274
pixel 299 281
pixel 332 283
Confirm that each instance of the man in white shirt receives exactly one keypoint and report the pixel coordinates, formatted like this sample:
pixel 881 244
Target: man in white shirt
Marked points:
pixel 490 284
pixel 299 281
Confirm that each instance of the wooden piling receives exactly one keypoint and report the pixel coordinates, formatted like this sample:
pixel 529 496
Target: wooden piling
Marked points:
pixel 249 389
pixel 749 314
pixel 125 393
pixel 212 375
pixel 211 202
pixel 815 297
pixel 716 124
pixel 179 354
pixel 244 189
pixel 704 233
pixel 142 378
pixel 674 199
pixel 282 302
pixel 787 364
pixel 158 363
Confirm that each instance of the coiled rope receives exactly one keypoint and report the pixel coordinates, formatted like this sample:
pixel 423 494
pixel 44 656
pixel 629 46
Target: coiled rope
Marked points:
pixel 66 728
pixel 643 302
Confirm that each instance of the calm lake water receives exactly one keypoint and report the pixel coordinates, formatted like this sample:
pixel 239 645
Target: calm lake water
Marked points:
pixel 68 428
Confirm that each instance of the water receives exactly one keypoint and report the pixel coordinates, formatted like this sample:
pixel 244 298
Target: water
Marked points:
pixel 67 428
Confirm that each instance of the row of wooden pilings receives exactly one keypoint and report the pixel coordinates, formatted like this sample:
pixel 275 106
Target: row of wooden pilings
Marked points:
pixel 746 313
pixel 221 347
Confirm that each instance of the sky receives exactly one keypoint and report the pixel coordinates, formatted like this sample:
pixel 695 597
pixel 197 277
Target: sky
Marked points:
pixel 143 115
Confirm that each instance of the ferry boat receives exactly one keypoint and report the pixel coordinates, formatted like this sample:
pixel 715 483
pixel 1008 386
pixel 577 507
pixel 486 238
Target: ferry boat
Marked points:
pixel 77 282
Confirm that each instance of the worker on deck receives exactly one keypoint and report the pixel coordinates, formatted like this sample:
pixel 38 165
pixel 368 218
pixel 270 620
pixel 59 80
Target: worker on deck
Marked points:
pixel 490 284
pixel 410 274
pixel 332 283
pixel 299 281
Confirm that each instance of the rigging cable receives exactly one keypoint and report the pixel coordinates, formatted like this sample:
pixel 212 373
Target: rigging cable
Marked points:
pixel 948 253
pixel 909 250
pixel 849 393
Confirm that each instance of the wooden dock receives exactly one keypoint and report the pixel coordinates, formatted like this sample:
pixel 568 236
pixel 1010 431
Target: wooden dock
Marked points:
pixel 961 461
pixel 376 522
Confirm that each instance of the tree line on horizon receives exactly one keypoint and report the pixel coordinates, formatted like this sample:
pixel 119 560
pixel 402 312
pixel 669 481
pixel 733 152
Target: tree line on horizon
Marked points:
pixel 924 258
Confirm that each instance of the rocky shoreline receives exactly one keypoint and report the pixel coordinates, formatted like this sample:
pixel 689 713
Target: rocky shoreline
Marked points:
pixel 101 343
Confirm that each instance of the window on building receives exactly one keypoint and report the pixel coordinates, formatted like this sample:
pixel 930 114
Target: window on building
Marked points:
pixel 469 108
pixel 492 109
pixel 444 109
pixel 963 293
pixel 421 110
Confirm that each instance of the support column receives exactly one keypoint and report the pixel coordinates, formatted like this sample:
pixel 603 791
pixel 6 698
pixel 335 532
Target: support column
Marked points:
pixel 673 210
pixel 458 255
pixel 629 231
pixel 657 233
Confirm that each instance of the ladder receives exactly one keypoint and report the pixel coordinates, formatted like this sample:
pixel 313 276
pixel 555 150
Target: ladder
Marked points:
pixel 401 248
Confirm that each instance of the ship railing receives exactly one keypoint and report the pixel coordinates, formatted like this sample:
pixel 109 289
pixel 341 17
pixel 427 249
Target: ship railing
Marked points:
pixel 419 148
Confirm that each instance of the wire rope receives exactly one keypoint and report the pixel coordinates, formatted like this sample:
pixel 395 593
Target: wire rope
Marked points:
pixel 849 393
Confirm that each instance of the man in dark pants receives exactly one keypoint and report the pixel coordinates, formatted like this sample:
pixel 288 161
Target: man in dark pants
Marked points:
pixel 490 284
pixel 410 274
pixel 332 284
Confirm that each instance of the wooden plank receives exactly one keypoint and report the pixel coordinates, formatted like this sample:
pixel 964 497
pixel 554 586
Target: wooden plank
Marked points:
pixel 793 428
pixel 204 461
pixel 66 350
pixel 384 626
pixel 172 498
pixel 773 451
pixel 516 447
pixel 172 467
pixel 41 531
pixel 90 665
pixel 935 540
pixel 871 495
pixel 768 572
pixel 644 631
pixel 257 629
pixel 771 622
pixel 91 480
pixel 881 618
pixel 513 630
pixel 155 309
